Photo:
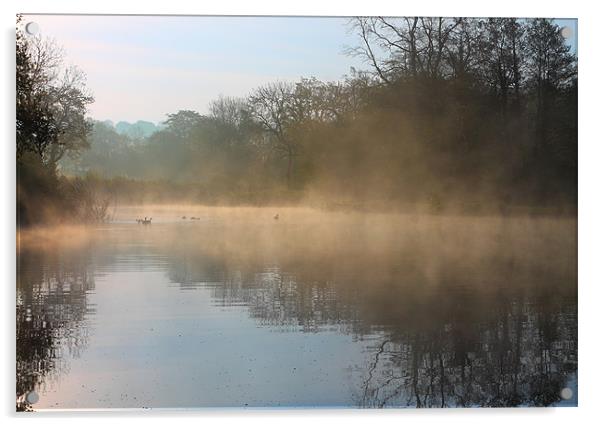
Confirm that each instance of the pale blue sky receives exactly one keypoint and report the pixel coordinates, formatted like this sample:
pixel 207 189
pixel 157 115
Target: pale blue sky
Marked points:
pixel 144 67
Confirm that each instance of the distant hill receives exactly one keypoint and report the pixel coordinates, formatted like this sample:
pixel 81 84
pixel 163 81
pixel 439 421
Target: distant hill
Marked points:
pixel 138 130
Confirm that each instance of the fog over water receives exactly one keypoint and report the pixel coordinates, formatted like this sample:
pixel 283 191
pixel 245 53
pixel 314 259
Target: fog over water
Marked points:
pixel 237 308
pixel 400 235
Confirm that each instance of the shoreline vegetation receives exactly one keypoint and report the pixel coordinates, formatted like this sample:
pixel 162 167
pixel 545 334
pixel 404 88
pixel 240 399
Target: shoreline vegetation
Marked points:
pixel 118 192
pixel 452 116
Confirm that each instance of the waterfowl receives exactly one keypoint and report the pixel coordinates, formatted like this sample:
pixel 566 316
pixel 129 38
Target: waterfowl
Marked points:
pixel 276 217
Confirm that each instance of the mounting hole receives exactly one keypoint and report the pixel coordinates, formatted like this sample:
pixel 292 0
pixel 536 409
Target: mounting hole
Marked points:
pixel 566 32
pixel 32 28
pixel 32 397
pixel 566 393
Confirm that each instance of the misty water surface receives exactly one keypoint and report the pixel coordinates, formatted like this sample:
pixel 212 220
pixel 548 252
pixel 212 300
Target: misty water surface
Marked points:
pixel 238 309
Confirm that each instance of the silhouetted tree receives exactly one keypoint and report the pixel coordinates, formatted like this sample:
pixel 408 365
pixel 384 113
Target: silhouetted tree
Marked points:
pixel 273 107
pixel 50 122
pixel 458 113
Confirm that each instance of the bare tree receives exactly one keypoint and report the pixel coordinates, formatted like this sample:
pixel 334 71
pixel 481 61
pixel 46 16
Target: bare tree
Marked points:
pixel 228 110
pixel 272 107
pixel 365 28
pixel 500 51
pixel 550 68
pixel 69 100
pixel 403 47
pixel 462 50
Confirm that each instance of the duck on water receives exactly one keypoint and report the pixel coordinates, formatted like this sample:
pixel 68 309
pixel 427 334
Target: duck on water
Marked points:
pixel 145 221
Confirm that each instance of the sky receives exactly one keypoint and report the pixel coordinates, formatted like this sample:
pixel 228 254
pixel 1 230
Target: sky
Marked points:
pixel 145 67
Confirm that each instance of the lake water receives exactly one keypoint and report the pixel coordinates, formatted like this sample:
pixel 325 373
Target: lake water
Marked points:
pixel 313 309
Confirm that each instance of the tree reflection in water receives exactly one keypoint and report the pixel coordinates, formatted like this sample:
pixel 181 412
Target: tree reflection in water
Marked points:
pixel 519 357
pixel 453 312
pixel 492 323
pixel 52 289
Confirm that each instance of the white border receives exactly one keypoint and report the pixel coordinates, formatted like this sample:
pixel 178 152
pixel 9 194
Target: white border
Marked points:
pixel 552 8
pixel 590 211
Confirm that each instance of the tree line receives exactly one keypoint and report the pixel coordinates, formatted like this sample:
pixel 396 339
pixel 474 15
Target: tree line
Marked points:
pixel 451 113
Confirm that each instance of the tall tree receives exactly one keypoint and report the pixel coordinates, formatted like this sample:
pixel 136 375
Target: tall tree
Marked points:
pixel 52 101
pixel 183 122
pixel 272 107
pixel 36 129
pixel 550 65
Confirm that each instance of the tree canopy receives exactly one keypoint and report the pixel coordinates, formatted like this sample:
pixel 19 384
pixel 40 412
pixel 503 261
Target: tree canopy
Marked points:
pixel 449 113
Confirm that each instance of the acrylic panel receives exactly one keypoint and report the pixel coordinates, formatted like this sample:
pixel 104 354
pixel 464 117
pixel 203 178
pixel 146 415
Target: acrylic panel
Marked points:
pixel 243 212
